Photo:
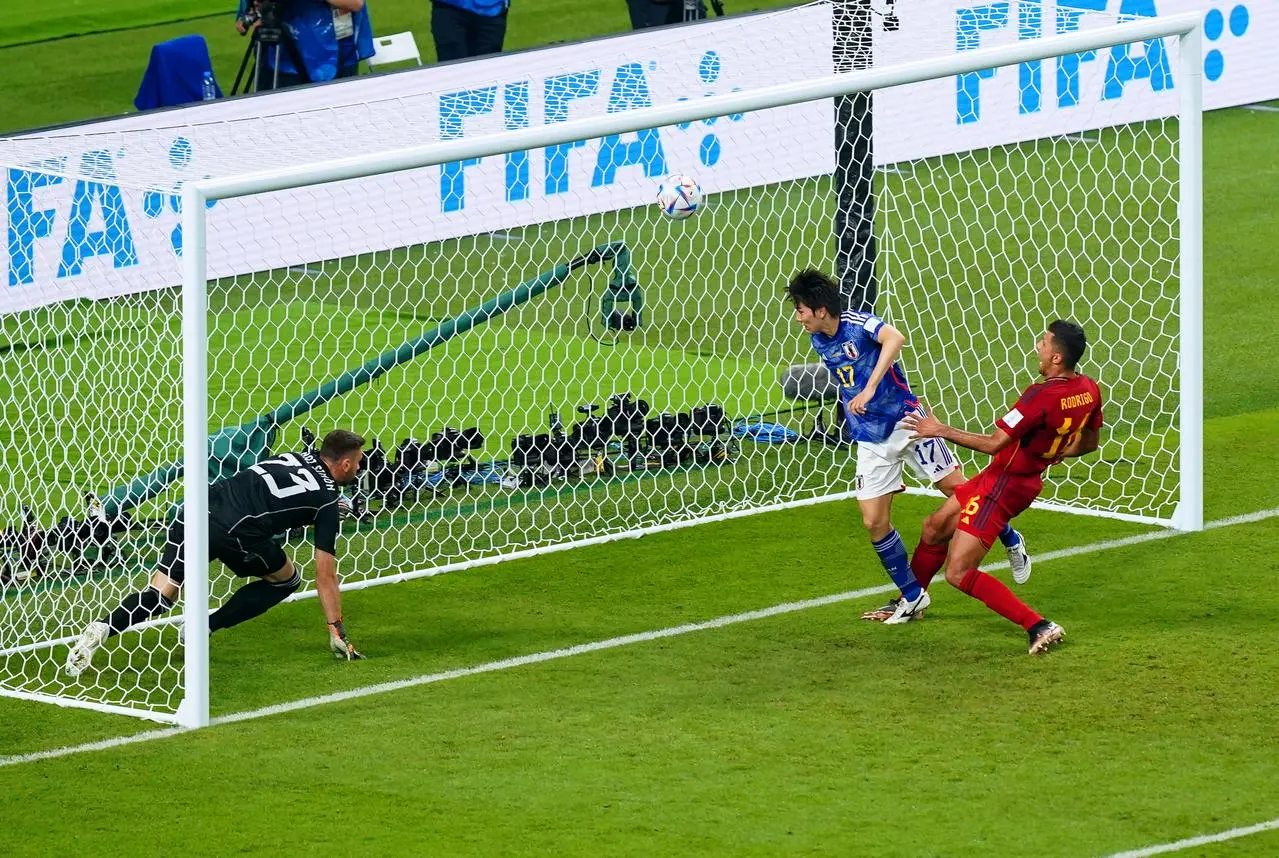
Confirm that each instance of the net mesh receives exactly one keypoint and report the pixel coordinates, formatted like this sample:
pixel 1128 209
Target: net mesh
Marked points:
pixel 526 429
pixel 981 250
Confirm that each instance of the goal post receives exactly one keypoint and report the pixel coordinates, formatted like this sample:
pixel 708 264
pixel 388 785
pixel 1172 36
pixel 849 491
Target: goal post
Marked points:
pixel 193 711
pixel 973 249
pixel 1189 464
pixel 1189 514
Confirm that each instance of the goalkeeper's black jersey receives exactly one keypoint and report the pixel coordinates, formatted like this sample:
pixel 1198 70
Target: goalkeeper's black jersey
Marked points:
pixel 275 496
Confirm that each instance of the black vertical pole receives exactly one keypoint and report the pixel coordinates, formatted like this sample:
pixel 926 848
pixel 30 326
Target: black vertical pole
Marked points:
pixel 854 160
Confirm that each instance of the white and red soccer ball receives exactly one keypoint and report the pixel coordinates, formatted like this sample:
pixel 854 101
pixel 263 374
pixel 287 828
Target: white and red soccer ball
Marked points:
pixel 679 196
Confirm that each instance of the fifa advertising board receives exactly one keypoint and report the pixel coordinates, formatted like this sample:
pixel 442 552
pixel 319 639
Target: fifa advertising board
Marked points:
pixel 94 210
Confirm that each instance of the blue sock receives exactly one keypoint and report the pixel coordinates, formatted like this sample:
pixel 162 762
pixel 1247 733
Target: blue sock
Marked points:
pixel 1008 536
pixel 892 553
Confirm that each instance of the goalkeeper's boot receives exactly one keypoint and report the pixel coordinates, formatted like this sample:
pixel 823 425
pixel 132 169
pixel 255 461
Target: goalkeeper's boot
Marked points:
pixel 878 615
pixel 1019 560
pixel 909 609
pixel 1045 635
pixel 81 655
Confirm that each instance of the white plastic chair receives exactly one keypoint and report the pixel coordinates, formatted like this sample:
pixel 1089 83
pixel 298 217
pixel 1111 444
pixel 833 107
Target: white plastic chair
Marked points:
pixel 398 48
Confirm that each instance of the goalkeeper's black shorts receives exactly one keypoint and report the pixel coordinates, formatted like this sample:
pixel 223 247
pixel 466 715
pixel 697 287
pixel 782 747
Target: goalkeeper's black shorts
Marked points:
pixel 252 559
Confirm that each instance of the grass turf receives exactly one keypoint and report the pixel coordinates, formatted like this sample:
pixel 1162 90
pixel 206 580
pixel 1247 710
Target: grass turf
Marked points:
pixel 798 734
pixel 803 734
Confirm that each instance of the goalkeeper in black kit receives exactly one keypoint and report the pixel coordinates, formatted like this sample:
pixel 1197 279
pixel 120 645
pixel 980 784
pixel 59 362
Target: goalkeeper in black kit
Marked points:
pixel 246 513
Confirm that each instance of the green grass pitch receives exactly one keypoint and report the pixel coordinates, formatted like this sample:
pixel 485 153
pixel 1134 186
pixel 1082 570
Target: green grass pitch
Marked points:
pixel 804 733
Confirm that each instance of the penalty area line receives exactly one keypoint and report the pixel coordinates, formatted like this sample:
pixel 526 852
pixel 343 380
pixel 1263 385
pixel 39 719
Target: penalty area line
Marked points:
pixel 594 646
pixel 1201 840
pixel 456 673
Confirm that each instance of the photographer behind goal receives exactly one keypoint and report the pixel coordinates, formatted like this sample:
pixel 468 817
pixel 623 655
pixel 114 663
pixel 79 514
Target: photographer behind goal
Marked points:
pixel 306 41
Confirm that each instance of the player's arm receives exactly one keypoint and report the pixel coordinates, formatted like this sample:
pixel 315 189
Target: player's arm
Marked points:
pixel 1082 444
pixel 326 582
pixel 1089 439
pixel 927 426
pixel 890 342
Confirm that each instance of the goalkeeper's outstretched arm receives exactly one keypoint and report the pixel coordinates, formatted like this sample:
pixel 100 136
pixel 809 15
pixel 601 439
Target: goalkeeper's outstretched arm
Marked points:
pixel 326 584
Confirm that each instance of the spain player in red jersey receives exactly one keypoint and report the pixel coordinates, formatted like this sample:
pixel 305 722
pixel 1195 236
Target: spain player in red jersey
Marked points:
pixel 1055 419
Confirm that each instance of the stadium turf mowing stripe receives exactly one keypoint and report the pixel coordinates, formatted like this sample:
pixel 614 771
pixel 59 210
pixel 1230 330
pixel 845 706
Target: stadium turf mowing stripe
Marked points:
pixel 595 646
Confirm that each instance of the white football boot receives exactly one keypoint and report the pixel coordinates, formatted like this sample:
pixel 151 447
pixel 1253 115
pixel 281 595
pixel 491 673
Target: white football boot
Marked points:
pixel 81 655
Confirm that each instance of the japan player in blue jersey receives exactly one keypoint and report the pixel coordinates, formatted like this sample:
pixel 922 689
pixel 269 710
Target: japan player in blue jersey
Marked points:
pixel 860 351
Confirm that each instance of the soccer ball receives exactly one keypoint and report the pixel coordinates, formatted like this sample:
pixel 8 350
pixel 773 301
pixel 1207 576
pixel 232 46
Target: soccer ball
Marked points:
pixel 679 197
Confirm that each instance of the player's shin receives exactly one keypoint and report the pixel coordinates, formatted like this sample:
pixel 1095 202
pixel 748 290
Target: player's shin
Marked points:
pixel 251 600
pixel 927 561
pixel 138 607
pixel 998 598
pixel 1008 536
pixel 892 553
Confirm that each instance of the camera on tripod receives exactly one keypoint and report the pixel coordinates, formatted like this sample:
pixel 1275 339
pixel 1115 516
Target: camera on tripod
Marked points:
pixel 668 441
pixel 715 444
pixel 591 434
pixel 689 436
pixel 266 14
pixel 539 458
pixel 626 414
pixel 261 21
pixel 545 456
pixel 435 465
pixel 625 437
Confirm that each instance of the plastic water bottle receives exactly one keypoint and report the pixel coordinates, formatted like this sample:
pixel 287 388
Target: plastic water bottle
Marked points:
pixel 209 89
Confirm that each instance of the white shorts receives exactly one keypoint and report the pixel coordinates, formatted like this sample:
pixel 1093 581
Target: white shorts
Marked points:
pixel 879 466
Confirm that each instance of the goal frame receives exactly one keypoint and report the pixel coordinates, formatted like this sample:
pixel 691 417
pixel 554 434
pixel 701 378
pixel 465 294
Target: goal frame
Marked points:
pixel 193 711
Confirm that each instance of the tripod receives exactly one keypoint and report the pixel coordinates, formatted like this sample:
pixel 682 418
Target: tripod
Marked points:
pixel 695 11
pixel 268 35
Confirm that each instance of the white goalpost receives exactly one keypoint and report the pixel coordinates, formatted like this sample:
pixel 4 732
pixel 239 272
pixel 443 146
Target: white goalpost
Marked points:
pixel 562 292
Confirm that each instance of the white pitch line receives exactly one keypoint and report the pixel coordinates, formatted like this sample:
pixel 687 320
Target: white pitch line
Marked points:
pixel 1202 840
pixel 103 745
pixel 552 655
pixel 596 646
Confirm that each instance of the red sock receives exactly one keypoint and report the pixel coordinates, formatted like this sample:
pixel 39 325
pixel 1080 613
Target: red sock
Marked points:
pixel 998 598
pixel 927 562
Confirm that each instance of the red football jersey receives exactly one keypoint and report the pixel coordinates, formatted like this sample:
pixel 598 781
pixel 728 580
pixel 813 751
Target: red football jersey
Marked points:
pixel 1046 419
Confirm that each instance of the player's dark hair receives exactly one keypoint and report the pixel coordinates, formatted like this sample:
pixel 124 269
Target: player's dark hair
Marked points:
pixel 815 289
pixel 1069 341
pixel 339 443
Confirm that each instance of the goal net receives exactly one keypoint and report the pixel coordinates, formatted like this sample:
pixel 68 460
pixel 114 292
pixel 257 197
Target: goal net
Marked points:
pixel 484 285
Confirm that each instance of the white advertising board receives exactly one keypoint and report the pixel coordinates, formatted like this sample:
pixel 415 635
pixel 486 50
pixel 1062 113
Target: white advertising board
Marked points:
pixel 94 211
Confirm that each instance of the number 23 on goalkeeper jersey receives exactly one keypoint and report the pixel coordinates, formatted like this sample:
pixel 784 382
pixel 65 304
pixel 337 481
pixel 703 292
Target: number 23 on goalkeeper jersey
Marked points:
pixel 850 354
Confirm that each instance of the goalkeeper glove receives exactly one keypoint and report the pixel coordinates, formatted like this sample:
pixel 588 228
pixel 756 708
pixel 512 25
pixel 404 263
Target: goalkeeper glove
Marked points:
pixel 342 648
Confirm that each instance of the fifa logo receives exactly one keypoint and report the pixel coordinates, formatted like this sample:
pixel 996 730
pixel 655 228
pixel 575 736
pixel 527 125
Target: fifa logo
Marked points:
pixel 624 87
pixel 96 222
pixel 1124 65
pixel 627 88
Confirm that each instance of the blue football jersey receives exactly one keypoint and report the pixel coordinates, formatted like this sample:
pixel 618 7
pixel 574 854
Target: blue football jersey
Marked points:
pixel 850 355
